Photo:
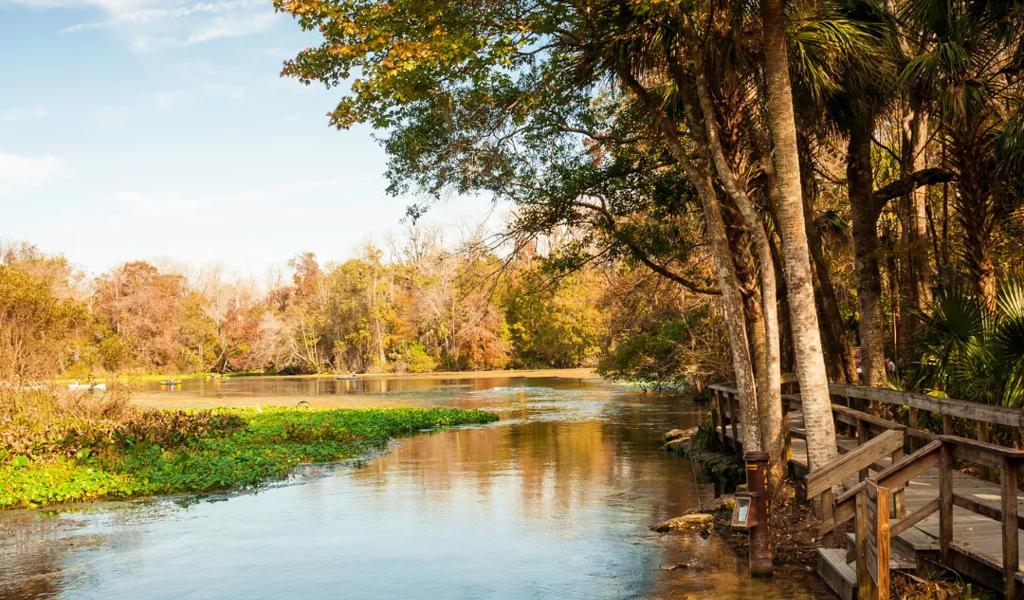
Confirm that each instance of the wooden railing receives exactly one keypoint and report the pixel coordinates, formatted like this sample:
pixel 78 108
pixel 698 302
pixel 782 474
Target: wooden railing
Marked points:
pixel 879 438
pixel 983 417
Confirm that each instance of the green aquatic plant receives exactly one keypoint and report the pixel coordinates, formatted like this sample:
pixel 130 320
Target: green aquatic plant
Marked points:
pixel 211 450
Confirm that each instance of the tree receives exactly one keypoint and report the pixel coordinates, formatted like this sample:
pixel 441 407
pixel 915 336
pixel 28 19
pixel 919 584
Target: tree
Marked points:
pixel 527 73
pixel 142 307
pixel 37 328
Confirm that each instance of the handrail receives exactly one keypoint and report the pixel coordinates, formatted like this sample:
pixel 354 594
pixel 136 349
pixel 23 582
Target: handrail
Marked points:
pixel 965 409
pixel 940 451
pixel 847 465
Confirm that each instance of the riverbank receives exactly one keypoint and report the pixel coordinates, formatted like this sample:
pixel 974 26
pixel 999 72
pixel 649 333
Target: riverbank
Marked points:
pixel 154 452
pixel 572 373
pixel 364 391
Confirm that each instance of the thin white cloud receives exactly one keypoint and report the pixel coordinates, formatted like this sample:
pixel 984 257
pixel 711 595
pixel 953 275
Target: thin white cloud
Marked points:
pixel 153 24
pixel 225 27
pixel 18 171
pixel 23 114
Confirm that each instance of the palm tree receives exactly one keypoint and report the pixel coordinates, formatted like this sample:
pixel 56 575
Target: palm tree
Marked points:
pixel 971 353
pixel 970 67
pixel 810 361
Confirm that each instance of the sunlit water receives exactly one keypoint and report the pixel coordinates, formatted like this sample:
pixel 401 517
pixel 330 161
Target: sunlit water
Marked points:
pixel 554 501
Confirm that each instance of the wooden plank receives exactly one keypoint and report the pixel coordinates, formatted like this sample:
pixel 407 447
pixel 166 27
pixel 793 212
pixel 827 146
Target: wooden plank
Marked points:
pixel 945 501
pixel 1011 550
pixel 899 508
pixel 862 439
pixel 914 518
pixel 975 411
pixel 991 512
pixel 861 457
pixel 853 415
pixel 862 533
pixel 895 476
pixel 882 540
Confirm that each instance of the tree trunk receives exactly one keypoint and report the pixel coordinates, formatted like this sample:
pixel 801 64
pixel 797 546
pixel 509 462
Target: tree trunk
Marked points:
pixel 917 279
pixel 817 405
pixel 838 352
pixel 699 174
pixel 860 179
pixel 769 398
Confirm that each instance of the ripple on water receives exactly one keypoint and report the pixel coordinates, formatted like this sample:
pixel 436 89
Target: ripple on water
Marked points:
pixel 554 501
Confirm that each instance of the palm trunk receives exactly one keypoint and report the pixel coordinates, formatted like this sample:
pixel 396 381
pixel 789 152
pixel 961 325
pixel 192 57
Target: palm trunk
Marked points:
pixel 838 352
pixel 699 174
pixel 817 406
pixel 767 336
pixel 859 176
pixel 917 278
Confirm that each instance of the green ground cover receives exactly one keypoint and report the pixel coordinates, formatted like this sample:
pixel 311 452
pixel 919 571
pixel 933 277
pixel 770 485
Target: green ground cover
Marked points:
pixel 182 451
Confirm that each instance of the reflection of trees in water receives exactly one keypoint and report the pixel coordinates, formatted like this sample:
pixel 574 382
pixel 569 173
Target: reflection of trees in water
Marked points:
pixel 550 469
pixel 32 551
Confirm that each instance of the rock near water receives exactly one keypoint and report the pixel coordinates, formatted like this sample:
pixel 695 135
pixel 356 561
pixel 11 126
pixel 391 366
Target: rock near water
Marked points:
pixel 695 521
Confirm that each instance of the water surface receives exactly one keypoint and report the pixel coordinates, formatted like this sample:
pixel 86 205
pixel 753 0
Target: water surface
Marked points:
pixel 554 501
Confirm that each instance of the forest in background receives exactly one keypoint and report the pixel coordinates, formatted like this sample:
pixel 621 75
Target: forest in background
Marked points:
pixel 423 308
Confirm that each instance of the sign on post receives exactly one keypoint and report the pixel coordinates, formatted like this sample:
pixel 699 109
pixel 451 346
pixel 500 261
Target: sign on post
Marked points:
pixel 872 531
pixel 741 511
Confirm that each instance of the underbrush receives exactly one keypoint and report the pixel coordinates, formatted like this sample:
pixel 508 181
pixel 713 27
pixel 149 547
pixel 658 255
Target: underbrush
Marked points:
pixel 60 448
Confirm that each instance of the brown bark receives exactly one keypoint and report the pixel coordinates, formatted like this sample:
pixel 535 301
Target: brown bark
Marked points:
pixel 766 334
pixel 865 212
pixel 917 279
pixel 699 173
pixel 817 407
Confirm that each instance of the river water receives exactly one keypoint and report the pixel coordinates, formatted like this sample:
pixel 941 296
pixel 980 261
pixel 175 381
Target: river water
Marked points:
pixel 554 501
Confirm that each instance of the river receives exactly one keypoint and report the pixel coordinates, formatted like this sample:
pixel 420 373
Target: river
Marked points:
pixel 554 501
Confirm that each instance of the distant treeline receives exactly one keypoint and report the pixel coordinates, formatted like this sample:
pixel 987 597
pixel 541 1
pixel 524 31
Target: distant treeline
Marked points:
pixel 425 308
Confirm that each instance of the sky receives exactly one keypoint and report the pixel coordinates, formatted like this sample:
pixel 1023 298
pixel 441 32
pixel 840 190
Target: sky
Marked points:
pixel 161 129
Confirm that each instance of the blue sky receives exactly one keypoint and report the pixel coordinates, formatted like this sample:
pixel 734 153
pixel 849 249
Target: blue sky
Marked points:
pixel 161 129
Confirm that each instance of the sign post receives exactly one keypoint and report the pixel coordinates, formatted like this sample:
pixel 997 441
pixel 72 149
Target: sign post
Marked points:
pixel 758 521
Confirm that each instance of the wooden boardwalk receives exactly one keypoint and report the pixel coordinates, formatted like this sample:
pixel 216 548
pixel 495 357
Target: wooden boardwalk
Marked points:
pixel 976 544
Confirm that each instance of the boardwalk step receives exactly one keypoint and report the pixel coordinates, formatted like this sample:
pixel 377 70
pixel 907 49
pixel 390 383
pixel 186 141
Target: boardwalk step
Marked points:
pixel 840 577
pixel 900 559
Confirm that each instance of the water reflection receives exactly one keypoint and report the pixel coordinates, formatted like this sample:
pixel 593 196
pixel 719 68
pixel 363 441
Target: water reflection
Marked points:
pixel 553 502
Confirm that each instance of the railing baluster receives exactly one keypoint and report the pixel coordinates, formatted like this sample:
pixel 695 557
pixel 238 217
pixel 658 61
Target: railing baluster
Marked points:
pixel 1011 551
pixel 899 509
pixel 945 500
pixel 862 437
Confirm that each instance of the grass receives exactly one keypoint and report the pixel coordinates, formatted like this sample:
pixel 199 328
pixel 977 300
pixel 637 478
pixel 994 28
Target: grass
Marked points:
pixel 183 451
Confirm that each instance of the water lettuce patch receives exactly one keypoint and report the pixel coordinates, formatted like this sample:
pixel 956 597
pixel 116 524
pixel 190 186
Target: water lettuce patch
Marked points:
pixel 266 445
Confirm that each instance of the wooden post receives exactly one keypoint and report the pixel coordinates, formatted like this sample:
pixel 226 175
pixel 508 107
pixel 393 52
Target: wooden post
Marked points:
pixel 721 417
pixel 947 425
pixel 716 418
pixel 827 510
pixel 914 419
pixel 872 542
pixel 759 533
pixel 1011 551
pixel 984 433
pixel 787 441
pixel 899 509
pixel 862 437
pixel 732 421
pixel 861 533
pixel 945 500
